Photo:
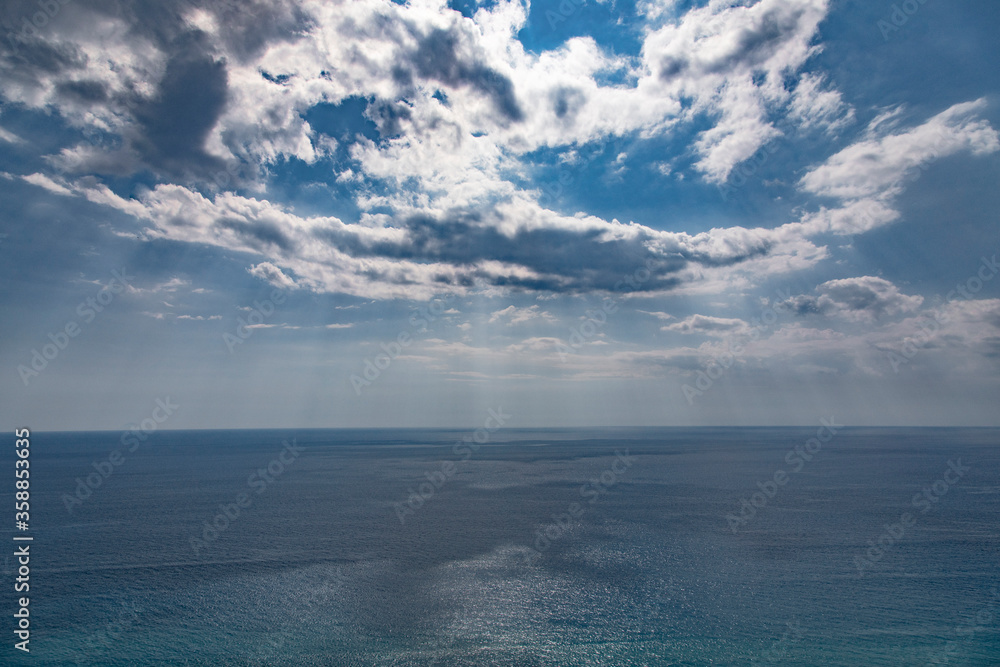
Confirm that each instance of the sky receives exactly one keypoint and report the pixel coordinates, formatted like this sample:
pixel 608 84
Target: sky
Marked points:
pixel 305 213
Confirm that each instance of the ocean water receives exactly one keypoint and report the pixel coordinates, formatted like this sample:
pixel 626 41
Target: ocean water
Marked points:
pixel 546 547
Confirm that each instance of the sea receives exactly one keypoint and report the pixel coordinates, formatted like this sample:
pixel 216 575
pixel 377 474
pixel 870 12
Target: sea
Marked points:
pixel 821 545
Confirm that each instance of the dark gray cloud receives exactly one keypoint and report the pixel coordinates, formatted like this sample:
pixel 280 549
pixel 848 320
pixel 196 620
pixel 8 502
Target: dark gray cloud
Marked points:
pixel 804 304
pixel 437 58
pixel 388 117
pixel 249 27
pixel 258 233
pixel 189 101
pixel 564 260
pixel 246 27
pixel 566 102
pixel 864 297
pixel 24 56
pixel 87 92
pixel 165 131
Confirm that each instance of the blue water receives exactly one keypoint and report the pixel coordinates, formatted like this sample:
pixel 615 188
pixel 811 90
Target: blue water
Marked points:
pixel 320 570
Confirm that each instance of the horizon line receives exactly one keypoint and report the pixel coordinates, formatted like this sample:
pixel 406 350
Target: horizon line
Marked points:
pixel 519 428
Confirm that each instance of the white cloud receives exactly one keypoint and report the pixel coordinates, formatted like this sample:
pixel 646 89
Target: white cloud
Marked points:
pixel 707 325
pixel 43 181
pixel 173 285
pixel 871 173
pixel 879 166
pixel 814 107
pixel 272 274
pixel 9 137
pixel 969 325
pixel 514 315
pixel 713 54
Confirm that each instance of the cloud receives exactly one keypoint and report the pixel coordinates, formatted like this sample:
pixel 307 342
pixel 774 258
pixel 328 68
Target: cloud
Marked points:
pixel 958 325
pixel 707 325
pixel 815 108
pixel 515 245
pixel 733 60
pixel 149 83
pixel 172 285
pixel 657 315
pixel 866 298
pixel 9 137
pixel 879 166
pixel 272 274
pixel 188 92
pixel 460 108
pixel 437 57
pixel 173 125
pixel 43 181
pixel 514 315
pixel 871 173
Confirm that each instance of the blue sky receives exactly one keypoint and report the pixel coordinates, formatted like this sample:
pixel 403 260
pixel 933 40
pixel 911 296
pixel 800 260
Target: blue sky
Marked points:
pixel 378 213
